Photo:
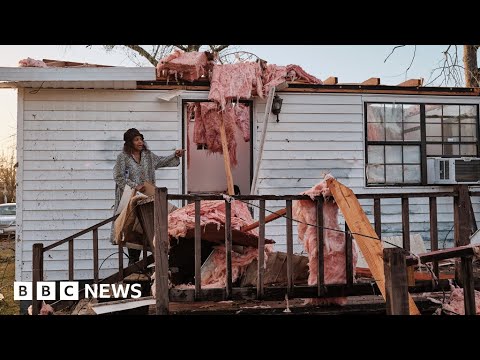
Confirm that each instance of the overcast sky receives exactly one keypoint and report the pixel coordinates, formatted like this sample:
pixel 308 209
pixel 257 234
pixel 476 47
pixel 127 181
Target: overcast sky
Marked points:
pixel 354 63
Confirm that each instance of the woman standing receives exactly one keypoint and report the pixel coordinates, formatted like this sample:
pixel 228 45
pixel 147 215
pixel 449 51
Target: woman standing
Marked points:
pixel 135 165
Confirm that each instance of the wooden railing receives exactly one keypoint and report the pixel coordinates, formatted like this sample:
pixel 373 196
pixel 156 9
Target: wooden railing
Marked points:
pixel 38 255
pixel 163 295
pixel 462 223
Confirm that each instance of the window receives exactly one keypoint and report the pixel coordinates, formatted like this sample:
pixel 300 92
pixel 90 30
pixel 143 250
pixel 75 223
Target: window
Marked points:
pixel 399 137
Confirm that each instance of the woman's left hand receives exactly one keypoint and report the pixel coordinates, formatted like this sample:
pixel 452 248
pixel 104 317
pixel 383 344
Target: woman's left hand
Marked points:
pixel 179 152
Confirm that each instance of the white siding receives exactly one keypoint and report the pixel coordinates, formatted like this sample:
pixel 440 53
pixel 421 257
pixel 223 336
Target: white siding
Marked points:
pixel 68 143
pixel 324 133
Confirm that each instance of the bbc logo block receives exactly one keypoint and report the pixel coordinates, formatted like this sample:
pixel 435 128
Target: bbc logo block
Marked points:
pixel 46 290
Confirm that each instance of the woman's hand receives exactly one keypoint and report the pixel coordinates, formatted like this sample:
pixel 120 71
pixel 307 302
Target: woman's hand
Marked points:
pixel 140 188
pixel 179 152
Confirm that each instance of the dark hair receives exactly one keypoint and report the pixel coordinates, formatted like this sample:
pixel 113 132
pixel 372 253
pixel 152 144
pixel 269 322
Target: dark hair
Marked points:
pixel 128 137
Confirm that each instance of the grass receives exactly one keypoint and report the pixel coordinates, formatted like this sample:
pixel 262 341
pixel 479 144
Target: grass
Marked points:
pixel 7 277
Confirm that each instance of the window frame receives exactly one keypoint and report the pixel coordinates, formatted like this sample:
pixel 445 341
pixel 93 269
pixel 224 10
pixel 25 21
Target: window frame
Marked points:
pixel 422 143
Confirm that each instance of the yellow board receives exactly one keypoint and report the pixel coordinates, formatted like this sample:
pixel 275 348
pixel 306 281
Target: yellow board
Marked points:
pixel 358 223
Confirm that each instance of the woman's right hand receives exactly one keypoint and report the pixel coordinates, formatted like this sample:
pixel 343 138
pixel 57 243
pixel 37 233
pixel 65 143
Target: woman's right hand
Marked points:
pixel 140 188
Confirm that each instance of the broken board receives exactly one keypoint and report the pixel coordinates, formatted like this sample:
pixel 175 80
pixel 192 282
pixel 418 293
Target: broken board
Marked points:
pixel 369 244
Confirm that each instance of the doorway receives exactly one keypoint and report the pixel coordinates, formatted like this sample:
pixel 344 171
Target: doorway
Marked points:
pixel 204 171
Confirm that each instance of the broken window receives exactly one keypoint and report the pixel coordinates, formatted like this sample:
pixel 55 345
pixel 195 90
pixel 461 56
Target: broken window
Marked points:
pixel 398 135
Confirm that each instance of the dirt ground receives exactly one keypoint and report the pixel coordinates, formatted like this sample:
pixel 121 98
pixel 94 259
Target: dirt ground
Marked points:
pixel 7 277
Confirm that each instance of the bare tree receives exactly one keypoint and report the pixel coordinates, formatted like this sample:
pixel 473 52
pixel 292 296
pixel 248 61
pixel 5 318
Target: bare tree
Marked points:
pixel 8 173
pixel 153 53
pixel 450 69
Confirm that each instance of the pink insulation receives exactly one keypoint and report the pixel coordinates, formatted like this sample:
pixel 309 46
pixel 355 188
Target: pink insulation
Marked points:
pixel 189 66
pixel 240 114
pixel 211 211
pixel 46 309
pixel 274 75
pixel 234 82
pixel 456 304
pixel 217 277
pixel 29 62
pixel 295 72
pixel 207 130
pixel 334 241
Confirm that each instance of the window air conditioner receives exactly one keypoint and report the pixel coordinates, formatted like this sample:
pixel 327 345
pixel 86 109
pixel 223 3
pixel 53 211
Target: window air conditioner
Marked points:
pixel 453 170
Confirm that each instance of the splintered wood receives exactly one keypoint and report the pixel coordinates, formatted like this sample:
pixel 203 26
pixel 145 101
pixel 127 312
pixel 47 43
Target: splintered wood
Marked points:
pixel 358 223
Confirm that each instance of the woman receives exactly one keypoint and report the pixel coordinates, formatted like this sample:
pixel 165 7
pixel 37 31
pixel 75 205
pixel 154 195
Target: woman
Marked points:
pixel 135 165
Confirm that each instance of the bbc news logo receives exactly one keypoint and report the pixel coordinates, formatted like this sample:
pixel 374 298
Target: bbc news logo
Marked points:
pixel 69 290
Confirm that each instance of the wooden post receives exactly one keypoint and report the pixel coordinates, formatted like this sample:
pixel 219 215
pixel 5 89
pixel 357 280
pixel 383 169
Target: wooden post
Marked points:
pixel 359 224
pixel 434 231
pixel 468 285
pixel 198 252
pixel 348 256
pixel 226 159
pixel 396 281
pixel 261 250
pixel 70 260
pixel 289 249
pixel 228 248
pixel 37 275
pixel 161 250
pixel 462 225
pixel 377 215
pixel 95 255
pixel 320 246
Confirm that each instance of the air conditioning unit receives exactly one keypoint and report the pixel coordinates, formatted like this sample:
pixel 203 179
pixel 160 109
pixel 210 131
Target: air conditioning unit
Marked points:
pixel 453 170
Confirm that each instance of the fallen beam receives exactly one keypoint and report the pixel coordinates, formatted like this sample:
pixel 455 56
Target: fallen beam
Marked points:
pixel 369 244
pixel 269 218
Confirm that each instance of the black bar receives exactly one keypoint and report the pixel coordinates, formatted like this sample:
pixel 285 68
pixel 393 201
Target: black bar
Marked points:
pixel 320 247
pixel 198 251
pixel 406 224
pixel 434 231
pixel 348 256
pixel 289 248
pixel 261 250
pixel 377 215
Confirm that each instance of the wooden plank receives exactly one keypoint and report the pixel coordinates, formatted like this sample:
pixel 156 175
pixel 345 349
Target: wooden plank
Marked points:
pixel 332 80
pixel 121 305
pixel 320 247
pixel 226 159
pixel 228 249
pixel 377 215
pixel 371 81
pixel 161 250
pixel 261 250
pixel 348 256
pixel 412 83
pixel 198 251
pixel 434 231
pixel 268 110
pixel 358 223
pixel 459 251
pixel 114 278
pixel 37 275
pixel 271 217
pixel 289 248
pixel 95 256
pixel 396 287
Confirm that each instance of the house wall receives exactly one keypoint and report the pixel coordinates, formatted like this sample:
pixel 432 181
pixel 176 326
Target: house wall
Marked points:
pixel 67 145
pixel 324 133
pixel 68 141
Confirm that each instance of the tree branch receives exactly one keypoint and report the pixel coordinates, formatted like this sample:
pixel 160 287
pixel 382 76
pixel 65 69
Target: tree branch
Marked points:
pixel 393 50
pixel 143 53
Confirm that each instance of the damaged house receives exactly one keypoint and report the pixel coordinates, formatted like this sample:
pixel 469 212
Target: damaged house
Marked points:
pixel 371 137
